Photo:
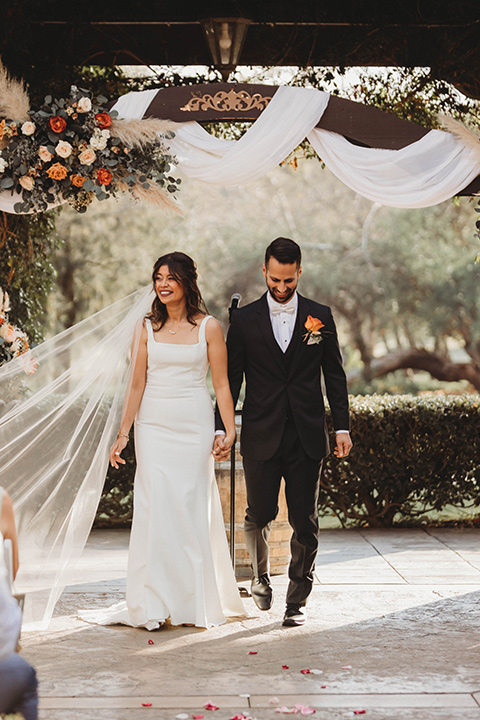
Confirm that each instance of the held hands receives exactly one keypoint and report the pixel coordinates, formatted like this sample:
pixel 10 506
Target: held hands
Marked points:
pixel 222 446
pixel 343 445
pixel 117 447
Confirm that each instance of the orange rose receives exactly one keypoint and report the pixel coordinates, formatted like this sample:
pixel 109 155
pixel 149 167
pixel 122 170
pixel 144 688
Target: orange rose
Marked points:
pixel 103 120
pixel 57 172
pixel 313 324
pixel 77 180
pixel 104 176
pixel 57 124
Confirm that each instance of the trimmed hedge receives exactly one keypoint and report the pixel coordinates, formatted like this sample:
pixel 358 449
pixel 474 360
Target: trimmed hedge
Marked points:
pixel 411 455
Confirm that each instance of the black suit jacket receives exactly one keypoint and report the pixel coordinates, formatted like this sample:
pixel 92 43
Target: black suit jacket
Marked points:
pixel 280 384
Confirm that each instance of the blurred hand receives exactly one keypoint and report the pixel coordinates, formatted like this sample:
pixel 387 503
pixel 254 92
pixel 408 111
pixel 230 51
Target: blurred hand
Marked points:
pixel 117 447
pixel 343 444
pixel 222 446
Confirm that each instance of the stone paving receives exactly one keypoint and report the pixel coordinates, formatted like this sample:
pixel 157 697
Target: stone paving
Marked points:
pixel 393 627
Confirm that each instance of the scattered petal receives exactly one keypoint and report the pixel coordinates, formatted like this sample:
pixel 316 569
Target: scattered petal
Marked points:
pixel 285 667
pixel 150 642
pixel 359 712
pixel 253 652
pixel 314 671
pixel 274 701
pixel 247 695
pixel 286 710
pixel 197 717
pixel 146 704
pixel 305 672
pixel 239 717
pixel 346 667
pixel 210 706
pixel 322 687
pixel 304 709
pixel 182 716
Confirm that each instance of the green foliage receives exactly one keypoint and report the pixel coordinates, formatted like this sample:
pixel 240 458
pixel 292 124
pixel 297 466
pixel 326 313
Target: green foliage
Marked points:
pixel 411 455
pixel 26 270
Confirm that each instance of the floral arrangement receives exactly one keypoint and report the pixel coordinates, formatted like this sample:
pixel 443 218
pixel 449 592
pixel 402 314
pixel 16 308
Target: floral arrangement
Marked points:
pixel 314 335
pixel 13 341
pixel 75 149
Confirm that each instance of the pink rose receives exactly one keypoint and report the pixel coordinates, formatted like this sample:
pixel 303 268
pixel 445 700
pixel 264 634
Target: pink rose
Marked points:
pixel 27 182
pixel 87 157
pixel 44 154
pixel 28 128
pixel 84 105
pixel 64 149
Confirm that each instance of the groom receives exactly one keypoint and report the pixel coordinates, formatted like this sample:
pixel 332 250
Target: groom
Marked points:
pixel 284 434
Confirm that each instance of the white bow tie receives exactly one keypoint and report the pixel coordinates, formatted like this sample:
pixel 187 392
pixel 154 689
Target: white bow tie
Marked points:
pixel 279 309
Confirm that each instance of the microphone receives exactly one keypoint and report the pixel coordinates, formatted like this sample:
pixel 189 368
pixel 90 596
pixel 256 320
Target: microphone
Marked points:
pixel 234 303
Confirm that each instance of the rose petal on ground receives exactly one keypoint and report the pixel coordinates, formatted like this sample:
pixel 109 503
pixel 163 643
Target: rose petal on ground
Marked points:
pixel 150 642
pixel 305 672
pixel 210 706
pixel 253 652
pixel 197 717
pixel 285 667
pixel 346 667
pixel 322 687
pixel 274 701
pixel 304 709
pixel 314 671
pixel 286 710
pixel 146 704
pixel 359 712
pixel 247 695
pixel 182 716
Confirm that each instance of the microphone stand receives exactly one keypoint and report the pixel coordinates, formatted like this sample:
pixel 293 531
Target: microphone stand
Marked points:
pixel 236 297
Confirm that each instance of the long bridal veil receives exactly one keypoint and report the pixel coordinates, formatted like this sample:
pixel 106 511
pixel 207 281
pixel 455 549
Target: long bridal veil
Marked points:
pixel 56 427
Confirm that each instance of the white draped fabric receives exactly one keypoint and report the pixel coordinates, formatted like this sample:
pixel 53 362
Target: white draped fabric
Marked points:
pixel 424 173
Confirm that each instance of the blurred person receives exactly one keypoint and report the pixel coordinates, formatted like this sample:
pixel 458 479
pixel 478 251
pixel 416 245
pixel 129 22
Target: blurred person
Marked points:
pixel 18 680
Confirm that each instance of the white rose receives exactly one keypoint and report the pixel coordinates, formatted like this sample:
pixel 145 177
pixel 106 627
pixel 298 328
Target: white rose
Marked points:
pixel 28 128
pixel 98 143
pixel 27 182
pixel 87 157
pixel 3 165
pixel 44 154
pixel 84 105
pixel 64 149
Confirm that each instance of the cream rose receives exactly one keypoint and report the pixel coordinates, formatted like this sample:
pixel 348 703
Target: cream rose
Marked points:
pixel 27 182
pixel 28 128
pixel 44 154
pixel 8 333
pixel 64 149
pixel 87 157
pixel 84 105
pixel 3 165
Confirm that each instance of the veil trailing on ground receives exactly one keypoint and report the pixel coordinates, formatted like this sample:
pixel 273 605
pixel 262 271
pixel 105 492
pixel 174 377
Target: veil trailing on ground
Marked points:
pixel 57 424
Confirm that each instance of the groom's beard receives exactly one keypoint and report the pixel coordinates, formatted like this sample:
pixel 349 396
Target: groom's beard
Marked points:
pixel 285 298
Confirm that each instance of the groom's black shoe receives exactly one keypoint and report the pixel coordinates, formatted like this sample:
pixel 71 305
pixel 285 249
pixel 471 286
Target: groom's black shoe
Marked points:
pixel 295 615
pixel 262 592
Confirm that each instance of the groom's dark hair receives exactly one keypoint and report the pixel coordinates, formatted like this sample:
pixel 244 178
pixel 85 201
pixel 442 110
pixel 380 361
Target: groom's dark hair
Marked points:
pixel 284 250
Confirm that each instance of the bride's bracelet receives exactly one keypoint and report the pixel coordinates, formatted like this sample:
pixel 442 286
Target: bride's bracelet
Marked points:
pixel 120 434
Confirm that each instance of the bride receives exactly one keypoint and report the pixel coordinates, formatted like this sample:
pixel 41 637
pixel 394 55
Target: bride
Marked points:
pixel 179 566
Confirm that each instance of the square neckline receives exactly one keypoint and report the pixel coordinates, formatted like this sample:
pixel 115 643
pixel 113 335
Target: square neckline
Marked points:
pixel 157 342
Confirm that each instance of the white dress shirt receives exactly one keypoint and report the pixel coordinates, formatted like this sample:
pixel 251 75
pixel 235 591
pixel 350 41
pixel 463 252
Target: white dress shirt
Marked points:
pixel 283 317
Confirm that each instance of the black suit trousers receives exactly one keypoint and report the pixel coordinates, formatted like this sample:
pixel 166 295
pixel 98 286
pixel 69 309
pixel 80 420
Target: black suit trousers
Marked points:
pixel 302 479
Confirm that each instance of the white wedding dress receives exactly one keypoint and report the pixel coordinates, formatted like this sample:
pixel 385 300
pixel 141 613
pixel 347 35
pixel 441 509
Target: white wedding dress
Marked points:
pixel 179 565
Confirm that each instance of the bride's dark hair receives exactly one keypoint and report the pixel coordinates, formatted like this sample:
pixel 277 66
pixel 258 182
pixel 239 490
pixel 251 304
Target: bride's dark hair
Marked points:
pixel 184 270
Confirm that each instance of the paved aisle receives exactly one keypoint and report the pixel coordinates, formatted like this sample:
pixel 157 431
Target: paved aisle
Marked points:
pixel 394 629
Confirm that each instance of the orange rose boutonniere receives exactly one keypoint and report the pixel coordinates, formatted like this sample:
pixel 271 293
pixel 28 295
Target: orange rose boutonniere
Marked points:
pixel 313 326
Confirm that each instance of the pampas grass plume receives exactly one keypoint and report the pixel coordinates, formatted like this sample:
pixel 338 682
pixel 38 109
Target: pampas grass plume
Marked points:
pixel 14 100
pixel 468 136
pixel 139 132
